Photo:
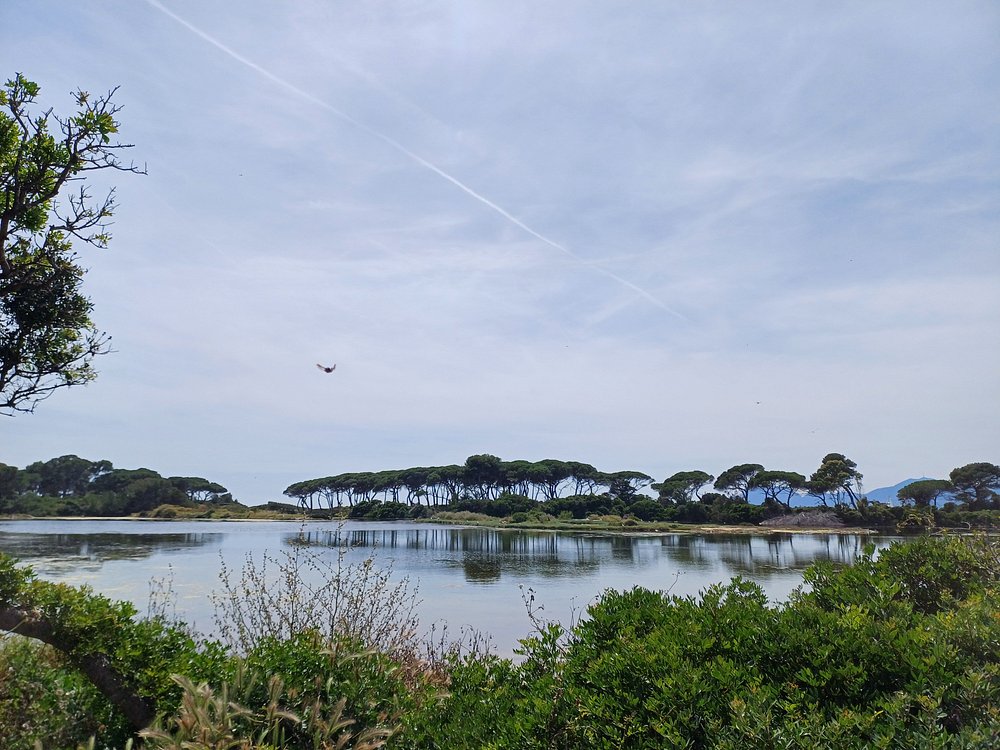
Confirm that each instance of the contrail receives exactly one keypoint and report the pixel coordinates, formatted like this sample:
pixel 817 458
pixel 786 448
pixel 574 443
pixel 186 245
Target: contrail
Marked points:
pixel 406 152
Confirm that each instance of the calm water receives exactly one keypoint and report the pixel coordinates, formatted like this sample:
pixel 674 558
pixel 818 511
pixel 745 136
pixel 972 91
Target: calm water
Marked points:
pixel 466 576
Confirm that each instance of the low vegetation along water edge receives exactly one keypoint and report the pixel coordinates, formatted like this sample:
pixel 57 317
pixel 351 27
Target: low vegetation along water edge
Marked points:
pixel 898 650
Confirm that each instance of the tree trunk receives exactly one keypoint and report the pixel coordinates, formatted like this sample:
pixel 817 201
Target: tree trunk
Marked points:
pixel 97 667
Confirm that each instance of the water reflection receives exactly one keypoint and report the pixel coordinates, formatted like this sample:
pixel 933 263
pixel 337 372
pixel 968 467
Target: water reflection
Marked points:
pixel 98 548
pixel 487 555
pixel 471 577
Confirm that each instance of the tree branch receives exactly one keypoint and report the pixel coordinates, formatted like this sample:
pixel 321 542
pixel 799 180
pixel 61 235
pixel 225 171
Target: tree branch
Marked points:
pixel 97 667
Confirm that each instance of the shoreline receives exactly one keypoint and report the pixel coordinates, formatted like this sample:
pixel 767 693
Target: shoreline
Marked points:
pixel 566 527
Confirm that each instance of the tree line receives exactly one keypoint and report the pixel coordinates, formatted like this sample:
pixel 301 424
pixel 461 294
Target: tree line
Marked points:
pixel 70 485
pixel 482 477
pixel 485 480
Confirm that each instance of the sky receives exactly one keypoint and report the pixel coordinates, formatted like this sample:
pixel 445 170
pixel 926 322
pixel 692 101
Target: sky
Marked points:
pixel 656 236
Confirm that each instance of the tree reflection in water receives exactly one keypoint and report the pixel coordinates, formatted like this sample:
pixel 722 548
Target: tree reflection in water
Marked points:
pixel 96 549
pixel 485 555
pixel 467 576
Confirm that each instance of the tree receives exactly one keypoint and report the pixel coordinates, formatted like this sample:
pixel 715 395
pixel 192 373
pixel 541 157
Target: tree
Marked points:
pixel 778 486
pixel 65 475
pixel 198 489
pixel 47 338
pixel 9 481
pixel 552 475
pixel 148 493
pixel 836 477
pixel 977 484
pixel 738 478
pixel 483 475
pixel 924 492
pixel 415 481
pixel 625 485
pixel 647 509
pixel 117 480
pixel 682 487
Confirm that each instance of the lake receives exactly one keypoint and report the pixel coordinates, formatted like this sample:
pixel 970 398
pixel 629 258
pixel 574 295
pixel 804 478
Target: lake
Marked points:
pixel 475 577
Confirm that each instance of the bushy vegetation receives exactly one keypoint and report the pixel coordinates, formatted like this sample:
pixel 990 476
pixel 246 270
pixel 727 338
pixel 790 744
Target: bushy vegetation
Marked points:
pixel 74 486
pixel 488 486
pixel 898 650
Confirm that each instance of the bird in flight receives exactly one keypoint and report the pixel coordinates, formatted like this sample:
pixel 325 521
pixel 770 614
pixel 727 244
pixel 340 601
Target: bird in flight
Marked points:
pixel 324 368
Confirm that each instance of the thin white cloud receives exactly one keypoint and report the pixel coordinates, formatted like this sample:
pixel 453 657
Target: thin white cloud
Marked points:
pixel 392 142
pixel 814 185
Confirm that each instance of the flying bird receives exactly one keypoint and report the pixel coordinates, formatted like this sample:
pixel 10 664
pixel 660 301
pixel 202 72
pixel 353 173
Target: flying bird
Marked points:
pixel 324 368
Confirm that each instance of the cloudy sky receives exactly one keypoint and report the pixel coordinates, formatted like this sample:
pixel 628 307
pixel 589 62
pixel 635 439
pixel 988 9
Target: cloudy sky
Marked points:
pixel 652 235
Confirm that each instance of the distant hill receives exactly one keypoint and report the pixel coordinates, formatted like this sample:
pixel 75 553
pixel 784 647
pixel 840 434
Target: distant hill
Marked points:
pixel 881 494
pixel 888 494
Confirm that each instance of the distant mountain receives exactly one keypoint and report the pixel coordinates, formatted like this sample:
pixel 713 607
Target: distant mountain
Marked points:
pixel 888 494
pixel 882 494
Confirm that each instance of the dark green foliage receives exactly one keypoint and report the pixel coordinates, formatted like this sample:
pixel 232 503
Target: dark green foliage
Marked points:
pixel 45 700
pixel 688 513
pixel 732 511
pixel 200 490
pixel 737 479
pixel 503 506
pixel 899 651
pixel 836 479
pixel 376 511
pixel 682 487
pixel 146 652
pixel 74 486
pixel 977 485
pixel 930 575
pixel 648 510
pixel 870 514
pixel 370 683
pixel 580 506
pixel 924 492
pixel 778 486
pixel 954 518
pixel 483 480
pixel 47 339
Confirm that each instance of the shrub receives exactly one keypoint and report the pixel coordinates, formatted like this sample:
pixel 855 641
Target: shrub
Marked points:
pixel 899 651
pixel 103 639
pixel 44 700
pixel 736 511
pixel 647 510
pixel 304 590
pixel 210 718
pixel 580 506
pixel 689 513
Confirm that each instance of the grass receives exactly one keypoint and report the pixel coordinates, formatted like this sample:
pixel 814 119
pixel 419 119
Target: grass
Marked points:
pixel 611 525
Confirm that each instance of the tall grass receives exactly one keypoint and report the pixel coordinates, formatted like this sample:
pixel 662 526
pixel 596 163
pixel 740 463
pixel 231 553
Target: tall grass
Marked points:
pixel 303 589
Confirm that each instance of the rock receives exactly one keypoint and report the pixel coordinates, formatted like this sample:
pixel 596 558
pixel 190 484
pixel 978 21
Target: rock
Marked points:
pixel 810 519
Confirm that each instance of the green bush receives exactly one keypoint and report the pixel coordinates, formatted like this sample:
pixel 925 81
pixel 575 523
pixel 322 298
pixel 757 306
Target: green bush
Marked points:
pixel 689 513
pixel 951 517
pixel 733 511
pixel 900 649
pixel 315 671
pixel 580 506
pixel 648 510
pixel 45 700
pixel 145 652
